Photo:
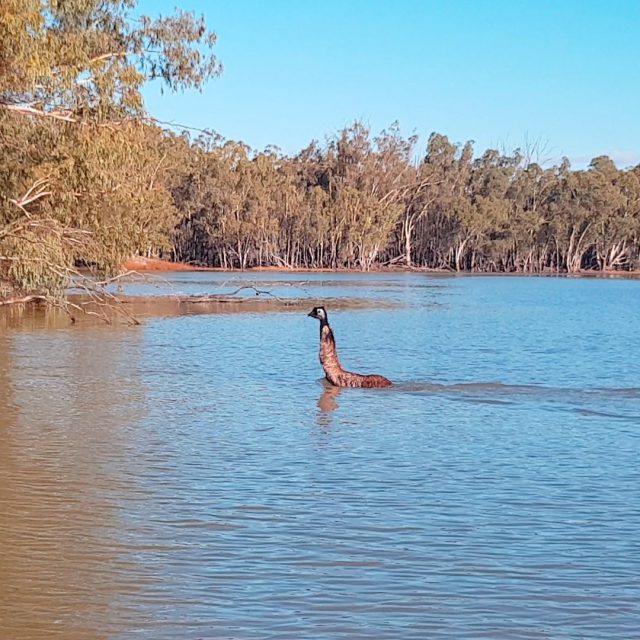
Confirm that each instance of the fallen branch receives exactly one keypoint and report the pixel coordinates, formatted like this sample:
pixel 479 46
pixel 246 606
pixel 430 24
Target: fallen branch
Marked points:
pixel 24 300
pixel 229 297
pixel 108 281
pixel 99 296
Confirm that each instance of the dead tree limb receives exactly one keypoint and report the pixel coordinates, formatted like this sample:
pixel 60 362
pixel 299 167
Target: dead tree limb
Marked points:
pixel 24 300
pixel 229 297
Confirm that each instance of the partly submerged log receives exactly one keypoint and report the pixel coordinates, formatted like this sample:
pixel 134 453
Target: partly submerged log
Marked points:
pixel 233 297
pixel 23 300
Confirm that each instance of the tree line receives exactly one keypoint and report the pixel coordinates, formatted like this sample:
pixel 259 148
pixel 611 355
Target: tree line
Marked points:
pixel 362 201
pixel 88 179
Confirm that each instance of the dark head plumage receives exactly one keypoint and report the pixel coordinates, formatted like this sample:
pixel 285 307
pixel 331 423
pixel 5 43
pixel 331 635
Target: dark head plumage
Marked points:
pixel 318 313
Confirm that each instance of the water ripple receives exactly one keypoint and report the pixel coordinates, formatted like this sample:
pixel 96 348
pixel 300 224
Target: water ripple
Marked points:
pixel 191 479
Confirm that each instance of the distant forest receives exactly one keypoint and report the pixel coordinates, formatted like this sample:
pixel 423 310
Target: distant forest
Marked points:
pixel 362 202
pixel 87 178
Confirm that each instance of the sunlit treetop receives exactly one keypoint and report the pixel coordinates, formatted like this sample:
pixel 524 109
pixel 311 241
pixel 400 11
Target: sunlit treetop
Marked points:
pixel 90 58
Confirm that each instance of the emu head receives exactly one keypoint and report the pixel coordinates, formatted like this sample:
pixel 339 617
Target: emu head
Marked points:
pixel 319 313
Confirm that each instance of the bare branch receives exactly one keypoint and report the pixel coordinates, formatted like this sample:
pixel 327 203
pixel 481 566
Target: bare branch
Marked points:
pixel 155 171
pixel 24 300
pixel 107 56
pixel 228 297
pixel 27 109
pixel 36 191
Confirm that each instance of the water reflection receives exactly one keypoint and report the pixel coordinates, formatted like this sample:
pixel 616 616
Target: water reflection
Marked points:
pixel 65 431
pixel 327 404
pixel 6 403
pixel 32 317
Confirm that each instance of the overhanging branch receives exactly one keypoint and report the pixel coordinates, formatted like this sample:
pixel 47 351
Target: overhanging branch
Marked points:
pixel 29 110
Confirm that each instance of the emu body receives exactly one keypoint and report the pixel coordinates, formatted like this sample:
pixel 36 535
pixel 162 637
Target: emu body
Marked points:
pixel 333 370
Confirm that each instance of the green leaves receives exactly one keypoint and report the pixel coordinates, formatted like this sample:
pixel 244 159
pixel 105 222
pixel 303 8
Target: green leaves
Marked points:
pixel 84 179
pixel 359 201
pixel 90 58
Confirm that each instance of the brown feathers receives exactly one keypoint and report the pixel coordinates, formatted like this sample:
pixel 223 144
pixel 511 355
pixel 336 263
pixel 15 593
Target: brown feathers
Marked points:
pixel 333 370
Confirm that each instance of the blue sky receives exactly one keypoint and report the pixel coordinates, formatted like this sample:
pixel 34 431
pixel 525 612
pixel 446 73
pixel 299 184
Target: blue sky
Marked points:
pixel 563 73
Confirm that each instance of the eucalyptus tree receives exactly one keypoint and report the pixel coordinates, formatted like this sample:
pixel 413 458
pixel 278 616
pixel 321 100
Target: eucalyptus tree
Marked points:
pixel 438 196
pixel 571 212
pixel 359 201
pixel 615 197
pixel 529 195
pixel 82 179
pixel 367 181
pixel 483 238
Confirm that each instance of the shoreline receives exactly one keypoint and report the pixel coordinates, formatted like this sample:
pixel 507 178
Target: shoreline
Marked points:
pixel 135 309
pixel 38 311
pixel 156 265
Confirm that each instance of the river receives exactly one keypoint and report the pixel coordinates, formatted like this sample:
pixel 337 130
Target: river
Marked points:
pixel 192 477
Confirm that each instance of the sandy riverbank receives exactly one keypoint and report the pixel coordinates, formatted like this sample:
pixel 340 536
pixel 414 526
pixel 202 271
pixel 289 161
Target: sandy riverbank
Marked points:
pixel 156 265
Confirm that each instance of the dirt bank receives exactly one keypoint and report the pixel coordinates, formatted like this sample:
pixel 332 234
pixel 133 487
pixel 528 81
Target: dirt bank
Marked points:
pixel 141 264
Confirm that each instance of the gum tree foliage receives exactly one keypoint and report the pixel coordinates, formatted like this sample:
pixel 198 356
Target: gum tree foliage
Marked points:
pixel 360 201
pixel 84 178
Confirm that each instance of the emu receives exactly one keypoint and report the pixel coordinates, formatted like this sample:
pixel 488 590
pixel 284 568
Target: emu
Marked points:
pixel 333 370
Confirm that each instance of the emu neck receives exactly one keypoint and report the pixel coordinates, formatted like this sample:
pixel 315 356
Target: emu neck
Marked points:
pixel 328 354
